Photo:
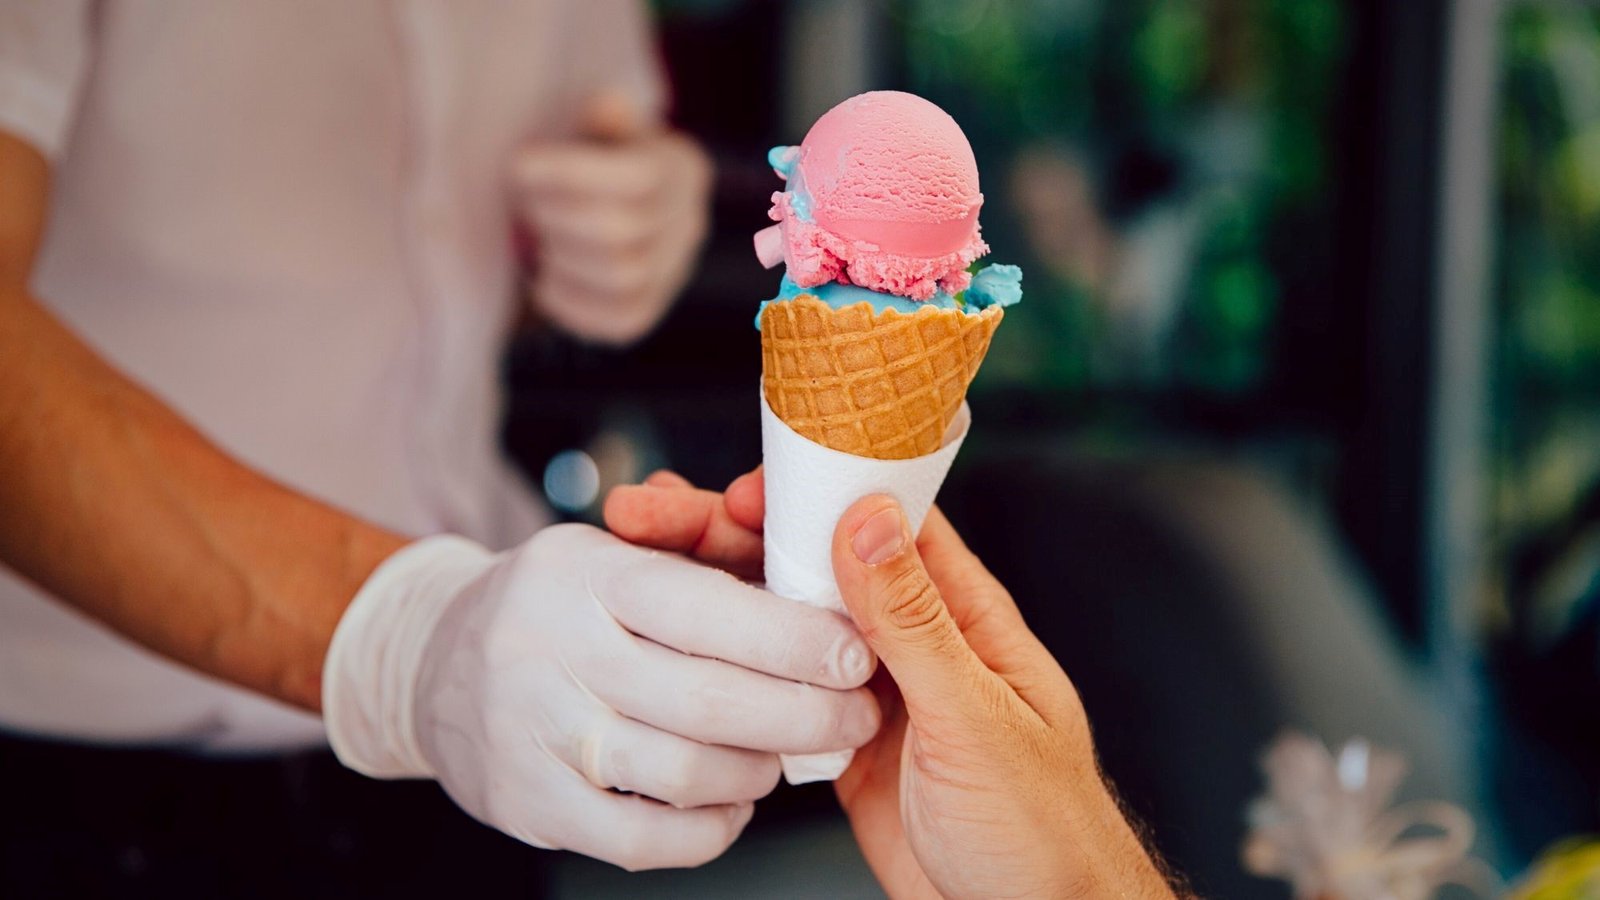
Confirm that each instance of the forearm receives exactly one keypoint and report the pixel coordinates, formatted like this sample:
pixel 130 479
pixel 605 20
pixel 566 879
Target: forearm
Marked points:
pixel 1116 857
pixel 118 507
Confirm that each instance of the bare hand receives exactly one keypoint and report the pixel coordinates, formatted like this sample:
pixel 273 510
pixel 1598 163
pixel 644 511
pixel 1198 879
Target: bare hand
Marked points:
pixel 983 780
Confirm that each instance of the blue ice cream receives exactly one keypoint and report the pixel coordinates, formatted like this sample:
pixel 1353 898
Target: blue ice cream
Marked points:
pixel 998 285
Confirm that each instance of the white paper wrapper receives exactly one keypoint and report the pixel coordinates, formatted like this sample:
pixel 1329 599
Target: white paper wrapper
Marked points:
pixel 809 487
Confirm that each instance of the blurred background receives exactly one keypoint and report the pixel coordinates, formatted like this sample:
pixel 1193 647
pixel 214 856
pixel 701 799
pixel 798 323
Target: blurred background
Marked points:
pixel 1297 426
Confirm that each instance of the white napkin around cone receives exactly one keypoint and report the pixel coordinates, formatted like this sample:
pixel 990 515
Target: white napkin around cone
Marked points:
pixel 808 489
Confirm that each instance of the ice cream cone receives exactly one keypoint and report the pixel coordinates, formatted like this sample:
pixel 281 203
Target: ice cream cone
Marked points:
pixel 882 385
pixel 876 332
pixel 808 487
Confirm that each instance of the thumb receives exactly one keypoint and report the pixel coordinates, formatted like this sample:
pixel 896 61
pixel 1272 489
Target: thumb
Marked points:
pixel 903 616
pixel 611 115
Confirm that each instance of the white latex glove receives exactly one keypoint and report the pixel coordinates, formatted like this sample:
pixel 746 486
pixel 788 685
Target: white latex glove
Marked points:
pixel 532 682
pixel 617 218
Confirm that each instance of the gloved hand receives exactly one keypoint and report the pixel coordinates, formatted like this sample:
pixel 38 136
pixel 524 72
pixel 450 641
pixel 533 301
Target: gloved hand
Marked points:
pixel 533 682
pixel 617 218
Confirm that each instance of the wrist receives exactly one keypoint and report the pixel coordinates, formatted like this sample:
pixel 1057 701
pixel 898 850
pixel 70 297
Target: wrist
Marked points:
pixel 1113 859
pixel 360 549
pixel 370 674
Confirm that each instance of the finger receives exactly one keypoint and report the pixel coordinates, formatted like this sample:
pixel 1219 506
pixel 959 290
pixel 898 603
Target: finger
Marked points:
pixel 746 500
pixel 556 287
pixel 638 833
pixel 667 478
pixel 973 596
pixel 631 171
pixel 597 193
pixel 618 246
pixel 626 275
pixel 632 756
pixel 593 315
pixel 987 615
pixel 685 520
pixel 701 611
pixel 903 616
pixel 596 230
pixel 710 701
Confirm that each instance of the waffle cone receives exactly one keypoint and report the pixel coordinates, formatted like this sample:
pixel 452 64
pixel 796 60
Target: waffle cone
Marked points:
pixel 883 385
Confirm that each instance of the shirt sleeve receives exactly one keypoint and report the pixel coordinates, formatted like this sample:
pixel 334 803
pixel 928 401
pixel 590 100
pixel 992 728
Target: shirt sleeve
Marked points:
pixel 44 61
pixel 614 50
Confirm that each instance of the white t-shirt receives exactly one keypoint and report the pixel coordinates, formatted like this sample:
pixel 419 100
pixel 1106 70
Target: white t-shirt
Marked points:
pixel 288 219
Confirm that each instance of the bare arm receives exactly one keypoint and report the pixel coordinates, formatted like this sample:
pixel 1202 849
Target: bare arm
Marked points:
pixel 117 506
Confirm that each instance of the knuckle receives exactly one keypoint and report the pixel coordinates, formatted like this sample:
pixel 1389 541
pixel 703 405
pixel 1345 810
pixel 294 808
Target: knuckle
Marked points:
pixel 626 576
pixel 825 649
pixel 677 775
pixel 637 847
pixel 558 541
pixel 738 775
pixel 527 563
pixel 766 773
pixel 838 715
pixel 717 708
pixel 814 627
pixel 830 718
pixel 857 717
pixel 552 549
pixel 914 604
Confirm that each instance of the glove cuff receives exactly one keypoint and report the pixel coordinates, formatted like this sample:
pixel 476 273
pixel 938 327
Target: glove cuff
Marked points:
pixel 369 677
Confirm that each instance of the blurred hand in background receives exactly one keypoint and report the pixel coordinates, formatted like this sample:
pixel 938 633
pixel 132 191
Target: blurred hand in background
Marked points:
pixel 617 219
pixel 983 781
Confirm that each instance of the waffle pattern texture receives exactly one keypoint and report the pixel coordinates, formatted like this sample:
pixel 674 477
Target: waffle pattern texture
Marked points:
pixel 881 385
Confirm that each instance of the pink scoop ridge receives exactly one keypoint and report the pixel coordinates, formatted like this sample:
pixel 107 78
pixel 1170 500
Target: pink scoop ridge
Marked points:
pixel 893 199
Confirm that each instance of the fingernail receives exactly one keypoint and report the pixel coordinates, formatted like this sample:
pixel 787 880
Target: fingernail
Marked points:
pixel 879 538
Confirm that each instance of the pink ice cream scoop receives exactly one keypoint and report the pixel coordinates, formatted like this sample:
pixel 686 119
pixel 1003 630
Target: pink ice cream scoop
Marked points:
pixel 882 193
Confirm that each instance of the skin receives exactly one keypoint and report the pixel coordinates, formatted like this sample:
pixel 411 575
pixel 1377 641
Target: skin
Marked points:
pixel 619 219
pixel 983 781
pixel 120 508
